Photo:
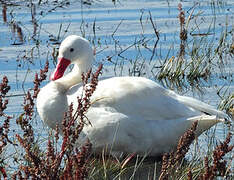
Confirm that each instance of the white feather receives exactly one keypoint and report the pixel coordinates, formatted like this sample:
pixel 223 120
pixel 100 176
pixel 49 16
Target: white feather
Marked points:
pixel 128 114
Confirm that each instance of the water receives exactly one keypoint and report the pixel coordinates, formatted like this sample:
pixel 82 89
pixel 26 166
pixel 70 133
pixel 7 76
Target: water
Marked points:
pixel 116 31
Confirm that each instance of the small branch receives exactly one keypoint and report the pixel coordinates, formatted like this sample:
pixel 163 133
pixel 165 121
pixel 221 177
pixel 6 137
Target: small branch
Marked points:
pixel 157 35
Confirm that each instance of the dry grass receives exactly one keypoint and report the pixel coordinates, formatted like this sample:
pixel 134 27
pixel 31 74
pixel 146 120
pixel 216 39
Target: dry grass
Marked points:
pixel 66 161
pixel 62 160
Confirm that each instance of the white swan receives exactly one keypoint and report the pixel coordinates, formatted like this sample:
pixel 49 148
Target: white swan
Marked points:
pixel 133 115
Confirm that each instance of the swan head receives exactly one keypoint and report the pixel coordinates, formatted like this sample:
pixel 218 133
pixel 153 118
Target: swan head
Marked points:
pixel 73 50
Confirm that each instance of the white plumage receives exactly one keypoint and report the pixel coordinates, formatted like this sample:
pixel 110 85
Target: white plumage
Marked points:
pixel 131 114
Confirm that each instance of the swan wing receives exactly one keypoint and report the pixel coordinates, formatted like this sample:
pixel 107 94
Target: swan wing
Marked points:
pixel 136 96
pixel 200 106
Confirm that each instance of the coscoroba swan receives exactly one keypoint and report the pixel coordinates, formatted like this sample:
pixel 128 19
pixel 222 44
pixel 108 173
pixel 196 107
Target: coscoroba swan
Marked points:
pixel 132 115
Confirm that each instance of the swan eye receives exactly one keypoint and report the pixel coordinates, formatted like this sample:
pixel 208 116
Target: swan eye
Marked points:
pixel 71 50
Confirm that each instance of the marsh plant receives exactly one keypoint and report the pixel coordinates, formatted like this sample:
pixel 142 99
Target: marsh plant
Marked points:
pixel 24 155
pixel 63 161
pixel 199 56
pixel 66 161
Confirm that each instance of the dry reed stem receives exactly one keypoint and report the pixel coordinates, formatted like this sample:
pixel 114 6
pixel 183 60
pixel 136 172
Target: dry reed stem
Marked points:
pixel 189 175
pixel 218 167
pixel 67 162
pixel 183 31
pixel 4 13
pixel 4 129
pixel 172 162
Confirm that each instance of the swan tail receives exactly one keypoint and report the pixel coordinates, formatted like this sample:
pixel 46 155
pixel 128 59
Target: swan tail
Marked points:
pixel 203 107
pixel 205 122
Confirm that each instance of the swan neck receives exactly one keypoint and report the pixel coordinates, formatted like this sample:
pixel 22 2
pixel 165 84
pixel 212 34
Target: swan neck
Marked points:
pixel 72 78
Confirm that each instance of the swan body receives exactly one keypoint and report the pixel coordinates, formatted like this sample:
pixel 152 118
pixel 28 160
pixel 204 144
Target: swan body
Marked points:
pixel 129 114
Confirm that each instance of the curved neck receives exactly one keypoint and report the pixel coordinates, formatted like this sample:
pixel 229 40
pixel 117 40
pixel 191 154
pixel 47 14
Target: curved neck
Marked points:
pixel 73 78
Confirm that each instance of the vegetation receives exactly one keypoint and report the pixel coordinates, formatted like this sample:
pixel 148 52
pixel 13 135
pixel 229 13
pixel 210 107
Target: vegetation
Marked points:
pixel 26 155
pixel 66 161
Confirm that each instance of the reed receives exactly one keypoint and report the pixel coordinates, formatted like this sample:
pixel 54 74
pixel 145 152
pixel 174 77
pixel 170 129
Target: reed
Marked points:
pixel 67 162
pixel 57 157
pixel 62 159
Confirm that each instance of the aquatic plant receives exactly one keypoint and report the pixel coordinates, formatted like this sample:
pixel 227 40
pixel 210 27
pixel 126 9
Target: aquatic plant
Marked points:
pixel 63 160
pixel 4 128
pixel 68 162
pixel 55 157
pixel 172 162
pixel 218 166
pixel 174 165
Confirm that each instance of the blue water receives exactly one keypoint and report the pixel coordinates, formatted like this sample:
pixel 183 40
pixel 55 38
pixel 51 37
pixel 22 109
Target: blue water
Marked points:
pixel 20 64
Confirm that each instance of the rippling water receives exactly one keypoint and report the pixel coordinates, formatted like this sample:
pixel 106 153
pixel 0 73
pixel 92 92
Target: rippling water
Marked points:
pixel 118 31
